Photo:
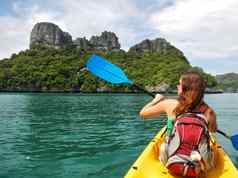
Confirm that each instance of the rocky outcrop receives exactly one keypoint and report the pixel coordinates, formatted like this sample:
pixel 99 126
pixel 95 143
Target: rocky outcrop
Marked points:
pixel 163 88
pixel 83 43
pixel 49 34
pixel 107 41
pixel 159 45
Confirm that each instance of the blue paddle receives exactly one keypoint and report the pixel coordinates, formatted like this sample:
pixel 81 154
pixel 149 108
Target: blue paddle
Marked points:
pixel 105 70
pixel 233 138
pixel 110 72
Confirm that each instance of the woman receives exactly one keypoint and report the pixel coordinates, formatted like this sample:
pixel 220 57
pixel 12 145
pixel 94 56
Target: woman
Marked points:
pixel 190 91
pixel 190 100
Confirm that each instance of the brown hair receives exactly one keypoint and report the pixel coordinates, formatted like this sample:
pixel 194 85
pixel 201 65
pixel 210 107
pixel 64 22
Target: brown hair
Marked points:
pixel 193 87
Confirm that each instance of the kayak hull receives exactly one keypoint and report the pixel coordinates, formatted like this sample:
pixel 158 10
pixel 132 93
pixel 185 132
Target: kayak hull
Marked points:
pixel 149 166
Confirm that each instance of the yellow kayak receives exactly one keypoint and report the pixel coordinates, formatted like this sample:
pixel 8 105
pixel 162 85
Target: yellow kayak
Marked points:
pixel 149 166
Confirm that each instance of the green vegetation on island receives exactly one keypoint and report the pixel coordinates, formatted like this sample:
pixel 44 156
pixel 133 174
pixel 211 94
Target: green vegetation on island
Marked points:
pixel 54 62
pixel 43 68
pixel 228 82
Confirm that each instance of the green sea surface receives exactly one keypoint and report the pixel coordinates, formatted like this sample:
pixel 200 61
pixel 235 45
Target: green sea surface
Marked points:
pixel 58 135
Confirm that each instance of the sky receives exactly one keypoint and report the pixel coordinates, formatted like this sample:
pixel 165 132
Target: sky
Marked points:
pixel 206 31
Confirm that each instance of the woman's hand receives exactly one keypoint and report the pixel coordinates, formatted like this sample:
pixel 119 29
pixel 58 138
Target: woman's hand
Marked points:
pixel 153 108
pixel 158 98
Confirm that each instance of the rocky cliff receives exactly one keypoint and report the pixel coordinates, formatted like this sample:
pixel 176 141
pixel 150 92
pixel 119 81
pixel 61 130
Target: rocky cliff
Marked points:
pixel 158 45
pixel 83 43
pixel 49 34
pixel 107 41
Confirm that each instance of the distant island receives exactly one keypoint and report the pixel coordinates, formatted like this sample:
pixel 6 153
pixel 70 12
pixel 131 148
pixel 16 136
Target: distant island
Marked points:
pixel 54 61
pixel 228 82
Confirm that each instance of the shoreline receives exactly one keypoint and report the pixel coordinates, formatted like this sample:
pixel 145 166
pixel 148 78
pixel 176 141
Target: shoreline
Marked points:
pixel 101 92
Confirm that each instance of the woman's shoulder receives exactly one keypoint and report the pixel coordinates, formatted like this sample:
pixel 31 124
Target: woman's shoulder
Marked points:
pixel 211 119
pixel 170 106
pixel 210 112
pixel 172 101
pixel 208 109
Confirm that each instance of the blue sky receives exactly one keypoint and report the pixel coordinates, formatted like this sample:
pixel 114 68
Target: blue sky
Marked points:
pixel 204 30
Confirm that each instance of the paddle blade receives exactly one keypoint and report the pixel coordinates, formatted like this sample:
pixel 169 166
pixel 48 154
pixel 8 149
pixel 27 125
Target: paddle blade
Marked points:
pixel 106 70
pixel 234 140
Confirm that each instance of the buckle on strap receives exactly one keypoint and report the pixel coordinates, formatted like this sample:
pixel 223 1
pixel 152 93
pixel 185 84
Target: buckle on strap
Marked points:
pixel 185 169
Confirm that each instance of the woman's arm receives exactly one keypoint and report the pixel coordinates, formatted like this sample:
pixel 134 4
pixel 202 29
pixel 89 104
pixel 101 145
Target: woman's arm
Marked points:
pixel 158 105
pixel 152 108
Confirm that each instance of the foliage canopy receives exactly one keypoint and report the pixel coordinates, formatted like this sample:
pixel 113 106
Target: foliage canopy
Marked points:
pixel 43 68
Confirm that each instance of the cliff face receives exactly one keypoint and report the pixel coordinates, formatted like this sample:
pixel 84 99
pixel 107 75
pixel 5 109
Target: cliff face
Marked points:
pixel 49 34
pixel 82 43
pixel 107 41
pixel 158 45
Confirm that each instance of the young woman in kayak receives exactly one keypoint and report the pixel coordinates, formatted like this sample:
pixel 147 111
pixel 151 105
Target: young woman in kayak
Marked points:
pixel 190 97
pixel 186 150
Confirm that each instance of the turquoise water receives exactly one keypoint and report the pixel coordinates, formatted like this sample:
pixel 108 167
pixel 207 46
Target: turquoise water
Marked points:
pixel 93 135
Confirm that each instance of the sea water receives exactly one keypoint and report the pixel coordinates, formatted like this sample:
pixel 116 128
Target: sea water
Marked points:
pixel 58 135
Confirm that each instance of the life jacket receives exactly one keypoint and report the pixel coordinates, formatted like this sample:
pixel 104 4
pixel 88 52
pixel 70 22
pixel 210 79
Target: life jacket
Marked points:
pixel 189 152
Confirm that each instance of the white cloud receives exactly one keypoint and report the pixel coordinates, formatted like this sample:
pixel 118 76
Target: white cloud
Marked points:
pixel 202 29
pixel 13 36
pixel 78 17
pixel 15 30
pixel 87 18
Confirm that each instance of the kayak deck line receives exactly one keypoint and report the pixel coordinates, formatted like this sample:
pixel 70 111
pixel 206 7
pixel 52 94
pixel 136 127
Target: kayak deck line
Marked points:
pixel 148 165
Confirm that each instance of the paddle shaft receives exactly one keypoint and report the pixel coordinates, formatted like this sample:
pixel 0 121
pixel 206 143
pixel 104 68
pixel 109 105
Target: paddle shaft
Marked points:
pixel 223 133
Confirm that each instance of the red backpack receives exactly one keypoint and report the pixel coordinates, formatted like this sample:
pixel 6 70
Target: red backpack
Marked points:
pixel 189 151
